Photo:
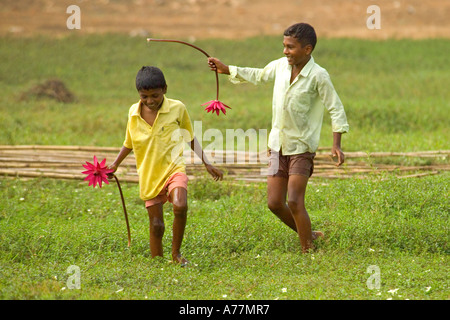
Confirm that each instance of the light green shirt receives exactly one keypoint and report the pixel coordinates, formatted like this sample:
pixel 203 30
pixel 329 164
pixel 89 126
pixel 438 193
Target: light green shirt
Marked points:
pixel 297 108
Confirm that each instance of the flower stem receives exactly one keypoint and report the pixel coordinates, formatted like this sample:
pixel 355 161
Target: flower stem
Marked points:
pixel 195 47
pixel 124 210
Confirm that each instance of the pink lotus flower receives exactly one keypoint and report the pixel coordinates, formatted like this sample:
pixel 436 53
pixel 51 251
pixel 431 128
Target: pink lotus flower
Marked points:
pixel 96 172
pixel 216 106
pixel 213 105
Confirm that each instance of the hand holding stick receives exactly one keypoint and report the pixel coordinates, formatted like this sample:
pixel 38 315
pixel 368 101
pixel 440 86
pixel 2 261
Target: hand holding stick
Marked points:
pixel 213 105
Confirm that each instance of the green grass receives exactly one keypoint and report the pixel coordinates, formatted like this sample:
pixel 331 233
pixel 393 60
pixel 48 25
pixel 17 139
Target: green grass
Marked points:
pixel 394 91
pixel 238 249
pixel 396 98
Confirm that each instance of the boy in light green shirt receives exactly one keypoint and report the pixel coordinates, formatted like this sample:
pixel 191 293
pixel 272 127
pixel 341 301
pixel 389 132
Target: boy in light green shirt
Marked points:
pixel 301 90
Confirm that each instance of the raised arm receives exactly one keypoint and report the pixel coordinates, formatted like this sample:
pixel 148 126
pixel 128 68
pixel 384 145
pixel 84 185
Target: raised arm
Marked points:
pixel 244 74
pixel 216 64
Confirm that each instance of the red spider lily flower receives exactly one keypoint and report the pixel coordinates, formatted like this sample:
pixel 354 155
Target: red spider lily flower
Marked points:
pixel 216 106
pixel 213 105
pixel 96 172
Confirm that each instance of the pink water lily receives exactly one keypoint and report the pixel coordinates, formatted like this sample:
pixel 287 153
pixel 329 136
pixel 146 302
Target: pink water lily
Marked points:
pixel 213 105
pixel 216 106
pixel 96 173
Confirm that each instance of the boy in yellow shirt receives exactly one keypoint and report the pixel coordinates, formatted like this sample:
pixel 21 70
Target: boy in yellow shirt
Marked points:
pixel 157 129
pixel 301 91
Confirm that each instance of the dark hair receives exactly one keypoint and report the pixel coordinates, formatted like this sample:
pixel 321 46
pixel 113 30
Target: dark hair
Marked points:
pixel 150 78
pixel 303 32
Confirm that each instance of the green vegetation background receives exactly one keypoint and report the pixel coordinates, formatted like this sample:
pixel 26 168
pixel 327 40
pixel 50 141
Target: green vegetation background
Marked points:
pixel 396 98
pixel 394 91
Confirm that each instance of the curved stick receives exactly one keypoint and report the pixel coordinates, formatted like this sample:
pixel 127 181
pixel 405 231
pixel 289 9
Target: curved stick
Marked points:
pixel 195 47
pixel 179 41
pixel 124 210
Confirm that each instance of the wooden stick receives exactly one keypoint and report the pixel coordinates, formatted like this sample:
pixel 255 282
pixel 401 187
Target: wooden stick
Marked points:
pixel 62 162
pixel 52 147
pixel 124 210
pixel 419 175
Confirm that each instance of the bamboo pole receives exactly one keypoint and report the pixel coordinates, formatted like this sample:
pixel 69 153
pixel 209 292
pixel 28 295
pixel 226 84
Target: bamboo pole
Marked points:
pixel 115 149
pixel 64 162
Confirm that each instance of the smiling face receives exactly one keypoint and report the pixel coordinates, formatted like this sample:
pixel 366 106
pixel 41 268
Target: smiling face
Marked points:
pixel 152 98
pixel 295 53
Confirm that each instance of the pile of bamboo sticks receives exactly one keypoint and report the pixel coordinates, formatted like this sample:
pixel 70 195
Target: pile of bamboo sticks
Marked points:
pixel 65 162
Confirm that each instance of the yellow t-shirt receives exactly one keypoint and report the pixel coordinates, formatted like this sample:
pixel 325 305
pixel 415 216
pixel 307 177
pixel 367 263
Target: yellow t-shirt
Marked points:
pixel 159 148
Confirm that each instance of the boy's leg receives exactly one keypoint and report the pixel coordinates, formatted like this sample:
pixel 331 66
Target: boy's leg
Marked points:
pixel 178 197
pixel 155 214
pixel 280 184
pixel 276 200
pixel 296 195
pixel 277 183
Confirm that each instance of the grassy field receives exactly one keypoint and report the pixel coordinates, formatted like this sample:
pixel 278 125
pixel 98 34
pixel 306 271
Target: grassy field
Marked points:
pixel 396 98
pixel 395 92
pixel 237 248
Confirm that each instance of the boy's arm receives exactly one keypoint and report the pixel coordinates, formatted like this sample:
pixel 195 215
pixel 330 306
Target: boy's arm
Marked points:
pixel 242 75
pixel 334 105
pixel 332 102
pixel 336 151
pixel 216 173
pixel 216 64
pixel 123 153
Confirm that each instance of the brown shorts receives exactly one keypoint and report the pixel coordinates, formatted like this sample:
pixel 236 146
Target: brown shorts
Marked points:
pixel 284 166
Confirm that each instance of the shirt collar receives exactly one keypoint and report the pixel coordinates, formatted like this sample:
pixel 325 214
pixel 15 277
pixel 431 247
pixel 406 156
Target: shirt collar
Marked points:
pixel 307 68
pixel 165 108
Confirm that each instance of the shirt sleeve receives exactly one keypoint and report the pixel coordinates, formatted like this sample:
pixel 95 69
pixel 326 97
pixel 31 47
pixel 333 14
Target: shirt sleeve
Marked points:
pixel 333 103
pixel 128 143
pixel 186 124
pixel 253 75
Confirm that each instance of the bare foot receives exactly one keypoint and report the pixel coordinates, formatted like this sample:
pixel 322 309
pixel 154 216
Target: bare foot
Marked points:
pixel 181 260
pixel 317 234
pixel 314 236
